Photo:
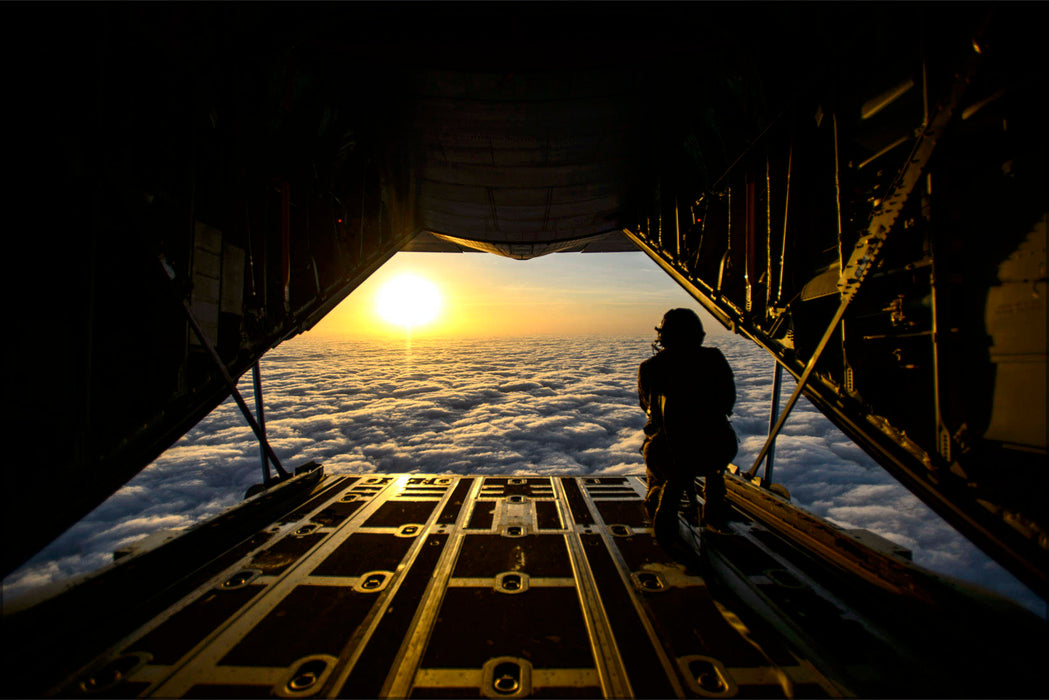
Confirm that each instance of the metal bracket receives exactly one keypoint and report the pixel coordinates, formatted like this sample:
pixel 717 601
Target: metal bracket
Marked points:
pixel 231 384
pixel 886 213
pixel 865 254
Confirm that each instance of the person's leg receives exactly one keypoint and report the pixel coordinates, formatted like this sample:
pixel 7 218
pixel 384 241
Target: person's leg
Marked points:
pixel 655 488
pixel 693 514
pixel 666 520
pixel 657 458
pixel 715 505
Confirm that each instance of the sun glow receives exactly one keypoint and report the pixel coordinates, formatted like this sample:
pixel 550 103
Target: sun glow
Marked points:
pixel 408 301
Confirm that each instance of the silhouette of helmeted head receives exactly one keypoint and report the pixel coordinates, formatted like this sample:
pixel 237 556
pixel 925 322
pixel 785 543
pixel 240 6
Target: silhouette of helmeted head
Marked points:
pixel 679 327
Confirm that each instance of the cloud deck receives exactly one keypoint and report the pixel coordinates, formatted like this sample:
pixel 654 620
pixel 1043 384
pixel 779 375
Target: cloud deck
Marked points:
pixel 548 406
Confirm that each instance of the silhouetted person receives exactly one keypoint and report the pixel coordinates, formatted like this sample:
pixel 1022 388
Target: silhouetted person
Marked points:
pixel 688 392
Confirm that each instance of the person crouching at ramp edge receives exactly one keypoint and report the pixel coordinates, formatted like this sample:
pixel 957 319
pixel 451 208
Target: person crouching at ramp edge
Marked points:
pixel 687 391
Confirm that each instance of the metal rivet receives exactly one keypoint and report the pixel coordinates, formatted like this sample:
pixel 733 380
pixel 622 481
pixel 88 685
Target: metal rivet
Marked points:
pixel 650 581
pixel 512 582
pixel 238 579
pixel 507 678
pixel 302 681
pixel 116 671
pixel 373 581
pixel 307 675
pixel 707 676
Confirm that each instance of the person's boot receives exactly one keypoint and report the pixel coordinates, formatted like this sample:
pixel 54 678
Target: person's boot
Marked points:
pixel 691 510
pixel 715 505
pixel 716 525
pixel 651 503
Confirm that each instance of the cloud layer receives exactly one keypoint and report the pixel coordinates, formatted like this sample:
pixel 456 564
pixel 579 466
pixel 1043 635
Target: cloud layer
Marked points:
pixel 541 405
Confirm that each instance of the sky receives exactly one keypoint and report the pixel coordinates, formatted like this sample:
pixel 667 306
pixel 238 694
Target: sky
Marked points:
pixel 544 385
pixel 485 295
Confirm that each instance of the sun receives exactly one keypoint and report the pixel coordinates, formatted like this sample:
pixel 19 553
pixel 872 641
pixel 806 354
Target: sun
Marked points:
pixel 408 301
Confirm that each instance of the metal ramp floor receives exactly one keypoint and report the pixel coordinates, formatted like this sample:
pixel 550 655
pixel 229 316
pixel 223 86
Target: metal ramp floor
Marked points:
pixel 486 586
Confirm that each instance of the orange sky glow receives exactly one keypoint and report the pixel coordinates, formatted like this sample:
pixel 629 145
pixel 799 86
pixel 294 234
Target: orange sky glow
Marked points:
pixel 484 295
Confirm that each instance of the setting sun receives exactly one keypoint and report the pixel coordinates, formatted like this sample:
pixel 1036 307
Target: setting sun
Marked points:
pixel 408 301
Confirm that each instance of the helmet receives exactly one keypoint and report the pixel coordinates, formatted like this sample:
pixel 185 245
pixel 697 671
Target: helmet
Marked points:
pixel 679 327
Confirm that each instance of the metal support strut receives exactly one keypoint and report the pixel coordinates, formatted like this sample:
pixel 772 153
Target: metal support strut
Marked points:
pixel 256 376
pixel 777 378
pixel 230 382
pixel 801 385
